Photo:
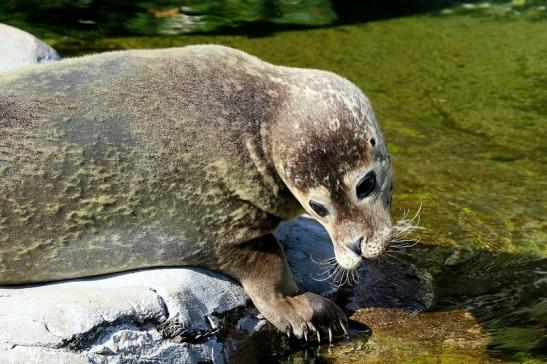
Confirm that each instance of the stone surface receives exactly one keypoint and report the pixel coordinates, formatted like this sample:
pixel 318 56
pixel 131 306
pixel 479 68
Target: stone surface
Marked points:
pixel 110 318
pixel 19 48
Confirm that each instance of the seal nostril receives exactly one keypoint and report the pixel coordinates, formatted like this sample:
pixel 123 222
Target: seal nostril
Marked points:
pixel 359 245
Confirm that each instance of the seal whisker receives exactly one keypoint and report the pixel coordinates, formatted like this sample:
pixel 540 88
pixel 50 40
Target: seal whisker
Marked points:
pixel 399 239
pixel 328 266
pixel 327 270
pixel 389 258
pixel 323 261
pixel 351 277
pixel 355 276
pixel 404 224
pixel 346 277
pixel 333 273
pixel 339 276
pixel 403 244
pixel 398 236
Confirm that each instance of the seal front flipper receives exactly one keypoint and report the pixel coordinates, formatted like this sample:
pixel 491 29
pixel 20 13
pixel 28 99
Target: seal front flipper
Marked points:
pixel 262 269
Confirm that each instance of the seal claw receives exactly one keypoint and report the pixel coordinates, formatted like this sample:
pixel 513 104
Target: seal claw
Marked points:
pixel 344 327
pixel 313 330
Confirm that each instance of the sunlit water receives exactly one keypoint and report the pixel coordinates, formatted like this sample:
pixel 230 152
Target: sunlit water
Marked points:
pixel 461 96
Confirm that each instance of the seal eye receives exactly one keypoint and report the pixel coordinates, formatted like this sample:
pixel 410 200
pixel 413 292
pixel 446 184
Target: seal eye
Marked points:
pixel 319 209
pixel 366 186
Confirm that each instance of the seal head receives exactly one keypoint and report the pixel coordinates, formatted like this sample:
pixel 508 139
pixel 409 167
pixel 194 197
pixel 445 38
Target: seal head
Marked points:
pixel 332 156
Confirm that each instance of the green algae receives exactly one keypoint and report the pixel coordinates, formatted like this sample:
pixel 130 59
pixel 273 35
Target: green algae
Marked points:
pixel 462 101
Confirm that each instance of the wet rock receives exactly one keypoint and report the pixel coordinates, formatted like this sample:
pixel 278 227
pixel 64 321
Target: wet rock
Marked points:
pixel 401 336
pixel 394 283
pixel 19 48
pixel 308 247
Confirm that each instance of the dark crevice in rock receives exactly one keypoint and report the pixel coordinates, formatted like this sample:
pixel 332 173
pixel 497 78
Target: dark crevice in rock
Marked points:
pixel 169 327
pixel 86 340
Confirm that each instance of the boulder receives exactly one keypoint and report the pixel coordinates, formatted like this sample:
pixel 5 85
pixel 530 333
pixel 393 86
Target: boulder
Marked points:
pixel 19 48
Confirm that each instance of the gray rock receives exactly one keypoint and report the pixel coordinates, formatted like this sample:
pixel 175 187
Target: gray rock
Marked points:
pixel 308 247
pixel 19 48
pixel 116 318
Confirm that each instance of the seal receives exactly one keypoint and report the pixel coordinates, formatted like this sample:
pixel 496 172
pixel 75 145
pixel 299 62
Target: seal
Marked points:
pixel 188 156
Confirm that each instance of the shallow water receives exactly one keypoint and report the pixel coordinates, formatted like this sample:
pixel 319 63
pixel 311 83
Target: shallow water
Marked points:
pixel 461 97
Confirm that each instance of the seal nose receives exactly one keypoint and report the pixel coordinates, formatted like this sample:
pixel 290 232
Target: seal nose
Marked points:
pixel 357 245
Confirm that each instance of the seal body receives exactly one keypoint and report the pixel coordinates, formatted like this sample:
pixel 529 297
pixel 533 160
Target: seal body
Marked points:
pixel 135 159
pixel 183 156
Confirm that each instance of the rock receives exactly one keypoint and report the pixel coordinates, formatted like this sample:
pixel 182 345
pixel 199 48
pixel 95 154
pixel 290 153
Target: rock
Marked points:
pixel 116 317
pixel 395 283
pixel 307 245
pixel 19 48
pixel 179 314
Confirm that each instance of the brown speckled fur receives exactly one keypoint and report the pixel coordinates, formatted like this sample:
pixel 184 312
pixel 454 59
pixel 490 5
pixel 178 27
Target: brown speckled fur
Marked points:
pixel 169 157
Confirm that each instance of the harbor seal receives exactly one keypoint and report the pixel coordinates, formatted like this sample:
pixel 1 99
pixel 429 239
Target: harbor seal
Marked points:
pixel 188 156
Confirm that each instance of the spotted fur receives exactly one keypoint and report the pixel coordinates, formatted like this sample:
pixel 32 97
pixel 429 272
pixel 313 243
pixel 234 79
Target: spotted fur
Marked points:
pixel 185 156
